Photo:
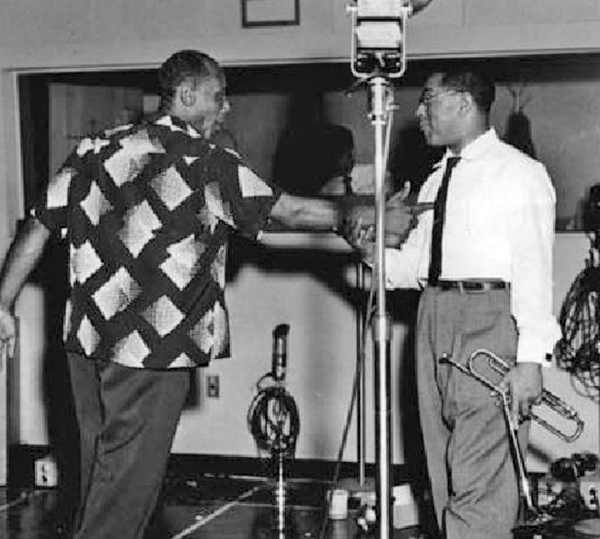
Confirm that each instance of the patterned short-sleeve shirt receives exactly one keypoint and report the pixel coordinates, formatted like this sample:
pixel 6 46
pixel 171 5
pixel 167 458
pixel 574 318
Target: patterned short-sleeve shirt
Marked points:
pixel 146 210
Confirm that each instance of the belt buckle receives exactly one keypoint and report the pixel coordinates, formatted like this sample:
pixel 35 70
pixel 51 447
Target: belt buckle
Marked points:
pixel 466 286
pixel 472 286
pixel 480 286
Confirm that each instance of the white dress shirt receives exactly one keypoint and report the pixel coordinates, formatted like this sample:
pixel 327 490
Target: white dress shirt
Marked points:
pixel 499 225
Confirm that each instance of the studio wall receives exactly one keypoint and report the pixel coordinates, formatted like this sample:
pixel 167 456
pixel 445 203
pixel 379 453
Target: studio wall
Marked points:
pixel 75 35
pixel 309 282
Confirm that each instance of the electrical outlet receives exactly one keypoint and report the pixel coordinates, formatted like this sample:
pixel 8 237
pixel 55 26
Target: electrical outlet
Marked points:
pixel 212 386
pixel 46 472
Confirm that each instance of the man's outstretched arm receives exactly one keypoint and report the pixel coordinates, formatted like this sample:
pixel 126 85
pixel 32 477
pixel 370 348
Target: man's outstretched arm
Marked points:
pixel 299 213
pixel 23 255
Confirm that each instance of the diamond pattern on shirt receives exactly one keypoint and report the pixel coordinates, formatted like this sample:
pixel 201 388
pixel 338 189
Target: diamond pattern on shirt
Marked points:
pixel 202 332
pixel 84 262
pixel 138 229
pixel 91 145
pixel 147 228
pixel 58 191
pixel 182 264
pixel 182 361
pixel 131 351
pixel 88 337
pixel 118 129
pixel 163 316
pixel 208 220
pixel 95 205
pixel 67 318
pixel 210 331
pixel 251 185
pixel 167 121
pixel 171 188
pixel 233 152
pixel 134 154
pixel 217 268
pixel 123 168
pixel 116 294
pixel 215 203
pixel 141 144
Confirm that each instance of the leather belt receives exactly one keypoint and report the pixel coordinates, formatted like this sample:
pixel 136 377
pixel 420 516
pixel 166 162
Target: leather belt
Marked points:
pixel 472 285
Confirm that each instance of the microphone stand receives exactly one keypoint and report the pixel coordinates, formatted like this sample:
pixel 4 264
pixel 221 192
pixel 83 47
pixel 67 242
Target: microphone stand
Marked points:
pixel 381 325
pixel 375 59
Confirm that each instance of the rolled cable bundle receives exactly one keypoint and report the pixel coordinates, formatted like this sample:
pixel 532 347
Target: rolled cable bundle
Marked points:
pixel 578 351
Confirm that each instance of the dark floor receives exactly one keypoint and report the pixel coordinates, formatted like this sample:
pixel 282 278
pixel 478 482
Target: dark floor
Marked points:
pixel 207 508
pixel 222 507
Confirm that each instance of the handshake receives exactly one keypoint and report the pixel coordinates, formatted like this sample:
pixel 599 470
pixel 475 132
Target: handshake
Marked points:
pixel 358 227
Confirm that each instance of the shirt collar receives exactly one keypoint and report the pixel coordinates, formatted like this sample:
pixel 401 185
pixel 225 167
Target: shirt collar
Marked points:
pixel 474 149
pixel 176 124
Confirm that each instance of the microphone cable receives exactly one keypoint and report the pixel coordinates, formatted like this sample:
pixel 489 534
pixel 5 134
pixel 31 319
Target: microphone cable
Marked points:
pixel 578 351
pixel 360 363
pixel 274 421
pixel 273 418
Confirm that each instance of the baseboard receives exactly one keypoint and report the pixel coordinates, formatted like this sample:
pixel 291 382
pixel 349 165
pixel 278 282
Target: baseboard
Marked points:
pixel 191 466
pixel 184 464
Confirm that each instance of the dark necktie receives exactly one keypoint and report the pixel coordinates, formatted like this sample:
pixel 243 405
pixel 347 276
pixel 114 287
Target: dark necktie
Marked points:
pixel 439 212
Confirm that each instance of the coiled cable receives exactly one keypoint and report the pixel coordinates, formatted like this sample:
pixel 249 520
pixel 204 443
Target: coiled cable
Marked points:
pixel 578 351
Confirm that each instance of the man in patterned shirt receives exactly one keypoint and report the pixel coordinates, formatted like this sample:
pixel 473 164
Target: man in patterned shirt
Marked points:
pixel 145 210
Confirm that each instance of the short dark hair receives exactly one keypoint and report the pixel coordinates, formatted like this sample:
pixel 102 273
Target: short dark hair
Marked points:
pixel 475 82
pixel 185 64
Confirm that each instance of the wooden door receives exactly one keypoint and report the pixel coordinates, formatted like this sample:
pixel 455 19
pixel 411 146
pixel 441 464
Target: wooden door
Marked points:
pixel 79 110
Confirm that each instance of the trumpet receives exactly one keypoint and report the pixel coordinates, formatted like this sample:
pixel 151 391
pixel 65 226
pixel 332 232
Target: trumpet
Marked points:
pixel 548 398
pixel 533 517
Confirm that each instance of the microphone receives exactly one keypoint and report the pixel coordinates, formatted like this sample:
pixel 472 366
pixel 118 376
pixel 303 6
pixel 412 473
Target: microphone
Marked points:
pixel 279 365
pixel 379 35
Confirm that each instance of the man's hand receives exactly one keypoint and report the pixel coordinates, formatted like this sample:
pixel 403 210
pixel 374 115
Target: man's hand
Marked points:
pixel 400 219
pixel 8 331
pixel 361 238
pixel 524 384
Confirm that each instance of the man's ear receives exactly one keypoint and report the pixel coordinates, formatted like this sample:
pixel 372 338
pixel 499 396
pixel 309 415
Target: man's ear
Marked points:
pixel 466 102
pixel 187 93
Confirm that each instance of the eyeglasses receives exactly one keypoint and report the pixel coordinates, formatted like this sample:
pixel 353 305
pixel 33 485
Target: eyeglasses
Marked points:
pixel 428 97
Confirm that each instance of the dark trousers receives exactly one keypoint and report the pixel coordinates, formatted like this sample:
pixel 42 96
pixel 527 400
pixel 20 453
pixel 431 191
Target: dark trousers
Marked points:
pixel 127 420
pixel 472 474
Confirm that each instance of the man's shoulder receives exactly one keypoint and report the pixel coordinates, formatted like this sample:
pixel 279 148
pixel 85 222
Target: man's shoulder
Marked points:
pixel 520 173
pixel 512 154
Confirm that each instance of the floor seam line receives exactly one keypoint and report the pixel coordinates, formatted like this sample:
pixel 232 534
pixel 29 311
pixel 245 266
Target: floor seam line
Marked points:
pixel 205 520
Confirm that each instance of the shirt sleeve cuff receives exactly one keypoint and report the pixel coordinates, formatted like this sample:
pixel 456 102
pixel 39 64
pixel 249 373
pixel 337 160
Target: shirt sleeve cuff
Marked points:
pixel 396 273
pixel 534 350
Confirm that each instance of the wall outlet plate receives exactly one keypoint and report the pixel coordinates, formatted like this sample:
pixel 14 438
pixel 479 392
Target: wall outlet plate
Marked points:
pixel 46 472
pixel 213 387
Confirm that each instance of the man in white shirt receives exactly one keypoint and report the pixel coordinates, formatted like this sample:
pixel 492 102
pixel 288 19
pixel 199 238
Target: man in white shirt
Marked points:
pixel 492 289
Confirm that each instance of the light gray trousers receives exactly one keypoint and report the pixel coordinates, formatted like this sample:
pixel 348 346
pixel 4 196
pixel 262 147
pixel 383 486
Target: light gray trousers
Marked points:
pixel 474 484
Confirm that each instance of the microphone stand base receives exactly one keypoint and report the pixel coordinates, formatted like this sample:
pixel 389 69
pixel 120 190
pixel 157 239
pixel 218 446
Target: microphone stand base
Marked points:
pixel 355 488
